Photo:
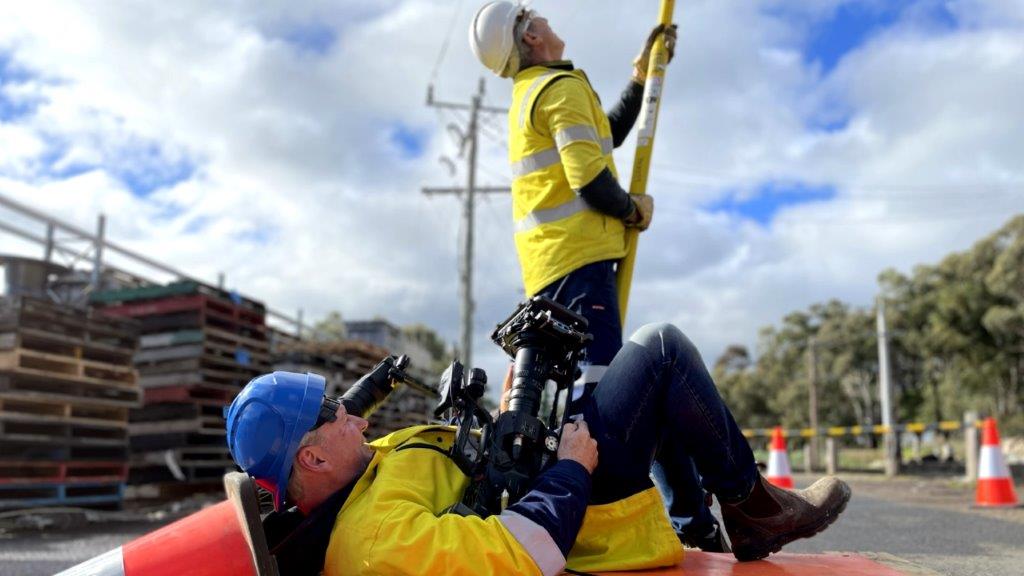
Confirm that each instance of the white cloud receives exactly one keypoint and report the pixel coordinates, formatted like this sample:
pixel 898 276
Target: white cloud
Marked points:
pixel 301 195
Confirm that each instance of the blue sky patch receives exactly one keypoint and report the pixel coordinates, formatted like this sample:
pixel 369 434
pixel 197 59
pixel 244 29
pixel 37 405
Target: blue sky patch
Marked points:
pixel 851 26
pixel 830 115
pixel 855 22
pixel 197 225
pixel 147 169
pixel 768 199
pixel 11 73
pixel 411 142
pixel 143 168
pixel 311 37
pixel 260 235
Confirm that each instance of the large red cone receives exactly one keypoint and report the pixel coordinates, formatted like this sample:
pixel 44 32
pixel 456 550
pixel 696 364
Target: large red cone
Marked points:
pixel 212 542
pixel 995 485
pixel 778 462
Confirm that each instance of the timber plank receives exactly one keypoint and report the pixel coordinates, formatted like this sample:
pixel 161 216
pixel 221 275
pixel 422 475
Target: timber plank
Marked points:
pixel 67 387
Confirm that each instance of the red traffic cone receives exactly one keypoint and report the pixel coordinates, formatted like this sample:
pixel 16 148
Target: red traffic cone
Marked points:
pixel 212 542
pixel 995 485
pixel 778 462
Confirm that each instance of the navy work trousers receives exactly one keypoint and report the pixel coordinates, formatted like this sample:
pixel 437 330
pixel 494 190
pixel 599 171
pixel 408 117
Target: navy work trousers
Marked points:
pixel 658 404
pixel 590 291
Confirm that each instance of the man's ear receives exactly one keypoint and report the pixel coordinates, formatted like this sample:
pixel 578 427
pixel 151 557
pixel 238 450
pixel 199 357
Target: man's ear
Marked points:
pixel 530 39
pixel 310 458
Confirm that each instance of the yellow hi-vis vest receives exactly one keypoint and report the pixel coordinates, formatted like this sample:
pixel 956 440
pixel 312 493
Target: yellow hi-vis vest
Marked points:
pixel 394 522
pixel 556 231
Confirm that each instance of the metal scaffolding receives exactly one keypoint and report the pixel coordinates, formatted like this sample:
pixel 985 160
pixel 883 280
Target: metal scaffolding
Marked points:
pixel 77 245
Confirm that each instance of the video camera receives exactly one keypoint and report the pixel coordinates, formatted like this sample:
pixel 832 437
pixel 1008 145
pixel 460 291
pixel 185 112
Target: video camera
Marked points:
pixel 545 340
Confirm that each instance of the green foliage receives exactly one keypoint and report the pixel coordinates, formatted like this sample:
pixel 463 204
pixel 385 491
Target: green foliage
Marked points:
pixel 956 343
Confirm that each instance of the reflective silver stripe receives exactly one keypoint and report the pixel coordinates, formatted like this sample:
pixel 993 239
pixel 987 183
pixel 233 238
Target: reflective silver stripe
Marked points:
pixel 529 92
pixel 538 217
pixel 550 157
pixel 534 162
pixel 578 133
pixel 107 564
pixel 536 541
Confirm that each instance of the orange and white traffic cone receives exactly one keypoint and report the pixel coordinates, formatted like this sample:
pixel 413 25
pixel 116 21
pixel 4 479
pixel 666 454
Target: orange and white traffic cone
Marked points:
pixel 778 462
pixel 221 540
pixel 995 485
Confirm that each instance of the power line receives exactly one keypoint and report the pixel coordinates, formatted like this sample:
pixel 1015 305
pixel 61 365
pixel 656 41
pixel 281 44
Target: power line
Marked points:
pixel 447 41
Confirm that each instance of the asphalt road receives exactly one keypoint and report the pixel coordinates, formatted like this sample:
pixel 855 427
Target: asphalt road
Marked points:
pixel 927 522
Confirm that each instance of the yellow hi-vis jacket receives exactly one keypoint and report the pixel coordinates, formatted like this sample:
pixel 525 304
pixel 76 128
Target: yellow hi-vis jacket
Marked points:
pixel 393 523
pixel 559 140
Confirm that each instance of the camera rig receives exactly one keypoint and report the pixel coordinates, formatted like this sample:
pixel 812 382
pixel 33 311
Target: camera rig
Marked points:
pixel 545 340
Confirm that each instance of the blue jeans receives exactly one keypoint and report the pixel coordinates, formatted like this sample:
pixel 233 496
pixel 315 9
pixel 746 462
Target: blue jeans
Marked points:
pixel 658 404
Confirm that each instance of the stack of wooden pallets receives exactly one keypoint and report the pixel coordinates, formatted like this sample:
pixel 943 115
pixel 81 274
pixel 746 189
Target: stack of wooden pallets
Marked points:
pixel 341 364
pixel 66 387
pixel 198 347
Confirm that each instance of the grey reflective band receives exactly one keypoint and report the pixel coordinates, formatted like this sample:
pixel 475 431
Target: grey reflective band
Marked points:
pixel 550 157
pixel 538 217
pixel 534 162
pixel 536 541
pixel 583 133
pixel 578 133
pixel 107 564
pixel 529 92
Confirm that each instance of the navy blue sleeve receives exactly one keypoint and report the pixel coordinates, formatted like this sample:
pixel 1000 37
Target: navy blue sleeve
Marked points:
pixel 624 114
pixel 604 194
pixel 558 502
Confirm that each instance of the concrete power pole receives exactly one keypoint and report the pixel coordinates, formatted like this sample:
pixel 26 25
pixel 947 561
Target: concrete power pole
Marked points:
pixel 469 139
pixel 885 394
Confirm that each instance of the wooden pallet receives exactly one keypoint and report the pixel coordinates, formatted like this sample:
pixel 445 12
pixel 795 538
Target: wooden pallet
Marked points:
pixel 48 317
pixel 30 426
pixel 33 495
pixel 181 288
pixel 71 450
pixel 194 463
pixel 35 361
pixel 203 394
pixel 83 411
pixel 62 344
pixel 175 411
pixel 69 387
pixel 166 491
pixel 170 440
pixel 195 311
pixel 200 424
pixel 23 471
pixel 210 363
pixel 228 379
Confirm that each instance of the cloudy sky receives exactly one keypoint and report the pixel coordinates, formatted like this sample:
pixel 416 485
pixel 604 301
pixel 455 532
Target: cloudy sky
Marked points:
pixel 803 147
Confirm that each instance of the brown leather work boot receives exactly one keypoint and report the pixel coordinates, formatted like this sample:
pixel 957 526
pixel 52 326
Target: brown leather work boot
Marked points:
pixel 772 517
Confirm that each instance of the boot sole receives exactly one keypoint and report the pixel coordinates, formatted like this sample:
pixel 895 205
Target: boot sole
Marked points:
pixel 750 553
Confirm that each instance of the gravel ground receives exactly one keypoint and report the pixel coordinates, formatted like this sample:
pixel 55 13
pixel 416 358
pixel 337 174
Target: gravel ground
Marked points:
pixel 927 521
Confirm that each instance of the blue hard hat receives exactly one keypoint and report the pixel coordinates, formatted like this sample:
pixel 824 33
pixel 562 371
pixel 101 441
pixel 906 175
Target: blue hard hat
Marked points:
pixel 266 422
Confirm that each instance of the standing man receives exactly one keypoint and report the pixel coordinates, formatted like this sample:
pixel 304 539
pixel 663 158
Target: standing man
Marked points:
pixel 570 213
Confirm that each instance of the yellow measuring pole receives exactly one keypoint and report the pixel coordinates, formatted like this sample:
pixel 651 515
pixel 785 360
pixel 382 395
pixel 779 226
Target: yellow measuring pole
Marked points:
pixel 644 149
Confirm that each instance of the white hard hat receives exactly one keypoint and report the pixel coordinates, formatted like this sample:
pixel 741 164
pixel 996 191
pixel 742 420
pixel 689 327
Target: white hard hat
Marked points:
pixel 492 37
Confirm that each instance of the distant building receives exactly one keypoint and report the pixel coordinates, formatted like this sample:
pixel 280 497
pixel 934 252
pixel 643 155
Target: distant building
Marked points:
pixel 386 335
